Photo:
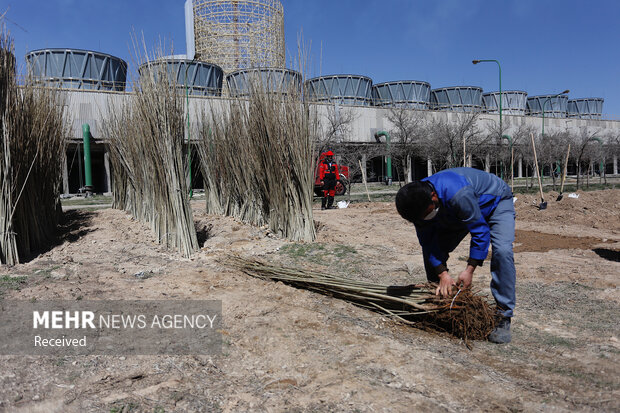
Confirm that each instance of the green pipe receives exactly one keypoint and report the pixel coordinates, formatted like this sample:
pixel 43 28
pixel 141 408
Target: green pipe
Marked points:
pixel 88 176
pixel 388 158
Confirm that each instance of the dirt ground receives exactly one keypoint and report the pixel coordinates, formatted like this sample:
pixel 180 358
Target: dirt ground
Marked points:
pixel 291 350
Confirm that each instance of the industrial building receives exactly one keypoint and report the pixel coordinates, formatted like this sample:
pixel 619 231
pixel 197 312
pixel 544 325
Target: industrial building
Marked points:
pixel 233 42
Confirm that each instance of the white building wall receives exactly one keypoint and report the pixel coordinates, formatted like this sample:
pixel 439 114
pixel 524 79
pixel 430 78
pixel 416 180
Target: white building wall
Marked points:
pixel 93 106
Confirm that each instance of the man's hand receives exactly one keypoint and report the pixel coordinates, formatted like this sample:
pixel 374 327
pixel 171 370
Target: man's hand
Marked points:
pixel 445 284
pixel 322 183
pixel 466 276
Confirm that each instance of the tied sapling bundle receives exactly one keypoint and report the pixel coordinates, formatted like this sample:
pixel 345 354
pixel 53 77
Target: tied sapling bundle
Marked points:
pixel 33 130
pixel 467 315
pixel 146 138
pixel 256 155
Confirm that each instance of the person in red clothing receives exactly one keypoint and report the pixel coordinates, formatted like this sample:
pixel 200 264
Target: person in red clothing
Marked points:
pixel 328 174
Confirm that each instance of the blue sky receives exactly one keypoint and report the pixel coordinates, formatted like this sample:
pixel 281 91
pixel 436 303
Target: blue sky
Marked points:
pixel 544 46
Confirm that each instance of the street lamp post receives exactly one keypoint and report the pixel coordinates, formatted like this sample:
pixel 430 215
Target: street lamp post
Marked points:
pixel 501 131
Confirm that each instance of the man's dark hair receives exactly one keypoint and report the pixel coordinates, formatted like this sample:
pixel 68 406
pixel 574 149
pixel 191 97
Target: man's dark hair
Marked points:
pixel 413 199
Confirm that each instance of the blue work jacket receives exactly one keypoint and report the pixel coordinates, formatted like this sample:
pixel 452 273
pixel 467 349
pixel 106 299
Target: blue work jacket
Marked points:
pixel 467 199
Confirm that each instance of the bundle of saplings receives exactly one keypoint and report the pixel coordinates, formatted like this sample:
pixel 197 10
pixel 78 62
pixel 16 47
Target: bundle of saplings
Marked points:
pixel 467 314
pixel 33 131
pixel 146 136
pixel 256 155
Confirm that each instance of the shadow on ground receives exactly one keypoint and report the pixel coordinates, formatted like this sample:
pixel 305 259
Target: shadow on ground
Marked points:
pixel 610 255
pixel 74 225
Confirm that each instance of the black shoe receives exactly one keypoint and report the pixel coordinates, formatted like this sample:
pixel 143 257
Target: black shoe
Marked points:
pixel 501 334
pixel 323 203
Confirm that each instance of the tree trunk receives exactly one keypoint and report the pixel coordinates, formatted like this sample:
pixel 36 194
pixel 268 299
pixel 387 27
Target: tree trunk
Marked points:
pixel 408 174
pixel 527 178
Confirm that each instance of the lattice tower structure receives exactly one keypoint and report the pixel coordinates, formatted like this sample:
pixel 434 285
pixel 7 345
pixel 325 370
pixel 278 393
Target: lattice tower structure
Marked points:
pixel 240 34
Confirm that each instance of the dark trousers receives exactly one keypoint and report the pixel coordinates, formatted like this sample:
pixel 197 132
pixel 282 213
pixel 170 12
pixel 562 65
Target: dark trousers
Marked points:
pixel 329 187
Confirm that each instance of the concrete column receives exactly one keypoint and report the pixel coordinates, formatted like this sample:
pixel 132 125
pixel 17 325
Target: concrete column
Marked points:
pixel 429 167
pixel 487 163
pixel 615 164
pixel 106 164
pixel 520 167
pixel 65 174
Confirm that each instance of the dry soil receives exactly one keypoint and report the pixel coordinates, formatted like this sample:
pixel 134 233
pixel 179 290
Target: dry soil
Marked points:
pixel 291 350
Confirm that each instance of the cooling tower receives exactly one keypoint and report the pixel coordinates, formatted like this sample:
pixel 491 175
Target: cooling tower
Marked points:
pixel 204 79
pixel 514 102
pixel 457 98
pixel 585 108
pixel 555 105
pixel 405 93
pixel 78 69
pixel 342 89
pixel 241 82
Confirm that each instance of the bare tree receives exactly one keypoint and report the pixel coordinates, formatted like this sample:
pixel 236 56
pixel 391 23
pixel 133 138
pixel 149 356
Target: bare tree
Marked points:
pixel 513 144
pixel 612 148
pixel 551 151
pixel 408 127
pixel 351 155
pixel 334 126
pixel 613 144
pixel 588 147
pixel 444 140
pixel 523 147
pixel 332 131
